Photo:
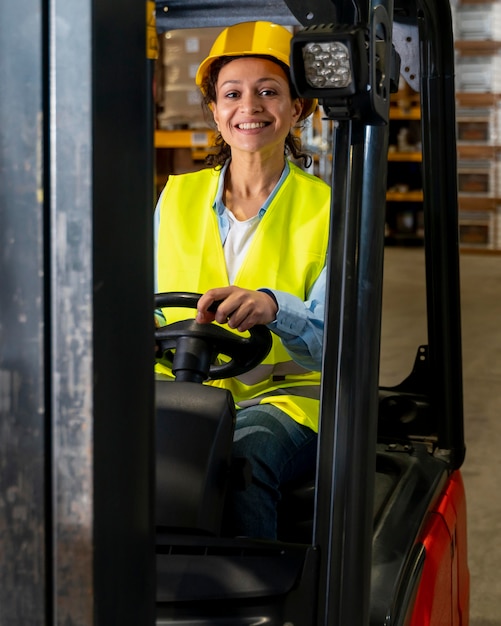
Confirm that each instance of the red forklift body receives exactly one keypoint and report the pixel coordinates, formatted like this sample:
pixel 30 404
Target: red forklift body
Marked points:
pixel 443 592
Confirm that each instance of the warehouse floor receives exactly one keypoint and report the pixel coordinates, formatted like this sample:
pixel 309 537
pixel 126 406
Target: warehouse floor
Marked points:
pixel 403 330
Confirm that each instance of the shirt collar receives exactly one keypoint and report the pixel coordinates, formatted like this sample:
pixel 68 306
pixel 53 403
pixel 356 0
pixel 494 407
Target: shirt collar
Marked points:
pixel 218 205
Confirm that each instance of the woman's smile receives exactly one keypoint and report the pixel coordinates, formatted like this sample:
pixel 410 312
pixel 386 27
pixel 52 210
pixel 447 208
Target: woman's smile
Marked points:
pixel 251 125
pixel 254 109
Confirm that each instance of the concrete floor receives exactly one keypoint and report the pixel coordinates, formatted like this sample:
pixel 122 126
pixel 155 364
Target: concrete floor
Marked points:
pixel 403 330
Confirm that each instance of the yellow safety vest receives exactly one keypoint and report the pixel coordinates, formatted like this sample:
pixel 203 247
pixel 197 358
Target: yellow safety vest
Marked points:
pixel 287 253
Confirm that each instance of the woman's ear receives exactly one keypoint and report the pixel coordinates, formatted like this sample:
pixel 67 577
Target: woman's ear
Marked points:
pixel 213 109
pixel 297 109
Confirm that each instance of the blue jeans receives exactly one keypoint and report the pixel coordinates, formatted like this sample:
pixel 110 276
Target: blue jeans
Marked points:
pixel 279 450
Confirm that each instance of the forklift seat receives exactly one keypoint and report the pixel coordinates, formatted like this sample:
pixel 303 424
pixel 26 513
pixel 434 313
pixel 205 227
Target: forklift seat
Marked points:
pixel 194 434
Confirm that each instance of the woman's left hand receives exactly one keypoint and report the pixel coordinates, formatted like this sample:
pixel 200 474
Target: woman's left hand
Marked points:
pixel 239 308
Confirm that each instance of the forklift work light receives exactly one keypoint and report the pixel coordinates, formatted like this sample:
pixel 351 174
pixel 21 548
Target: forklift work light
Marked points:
pixel 327 64
pixel 329 61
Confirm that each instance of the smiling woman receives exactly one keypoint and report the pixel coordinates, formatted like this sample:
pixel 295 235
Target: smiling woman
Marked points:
pixel 250 233
pixel 260 40
pixel 254 110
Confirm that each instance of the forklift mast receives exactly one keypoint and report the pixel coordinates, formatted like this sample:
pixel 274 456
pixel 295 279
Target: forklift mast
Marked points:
pixel 76 364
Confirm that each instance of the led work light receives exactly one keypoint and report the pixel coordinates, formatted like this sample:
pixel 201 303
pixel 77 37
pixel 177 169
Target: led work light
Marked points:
pixel 327 64
pixel 329 61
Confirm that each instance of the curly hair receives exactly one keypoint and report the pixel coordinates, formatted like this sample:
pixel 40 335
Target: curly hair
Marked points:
pixel 221 151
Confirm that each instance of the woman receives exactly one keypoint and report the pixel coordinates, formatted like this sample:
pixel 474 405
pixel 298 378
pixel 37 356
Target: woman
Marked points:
pixel 251 233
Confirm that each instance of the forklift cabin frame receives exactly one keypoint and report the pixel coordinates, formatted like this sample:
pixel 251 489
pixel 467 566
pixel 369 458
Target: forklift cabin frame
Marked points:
pixel 77 519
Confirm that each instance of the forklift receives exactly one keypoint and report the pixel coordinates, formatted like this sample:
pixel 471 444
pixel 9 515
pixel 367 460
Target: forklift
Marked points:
pixel 88 534
pixel 378 535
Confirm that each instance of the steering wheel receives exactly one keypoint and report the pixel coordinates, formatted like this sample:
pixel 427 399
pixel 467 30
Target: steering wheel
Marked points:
pixel 196 346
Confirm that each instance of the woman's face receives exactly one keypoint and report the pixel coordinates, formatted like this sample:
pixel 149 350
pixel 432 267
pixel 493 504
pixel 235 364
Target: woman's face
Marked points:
pixel 254 110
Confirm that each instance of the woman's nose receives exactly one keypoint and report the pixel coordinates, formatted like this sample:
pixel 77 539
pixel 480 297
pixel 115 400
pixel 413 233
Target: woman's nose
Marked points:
pixel 250 103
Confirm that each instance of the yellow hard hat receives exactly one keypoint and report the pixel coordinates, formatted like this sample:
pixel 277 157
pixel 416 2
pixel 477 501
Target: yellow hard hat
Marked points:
pixel 251 39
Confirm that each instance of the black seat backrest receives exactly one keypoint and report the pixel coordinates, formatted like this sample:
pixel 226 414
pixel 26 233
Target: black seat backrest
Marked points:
pixel 194 434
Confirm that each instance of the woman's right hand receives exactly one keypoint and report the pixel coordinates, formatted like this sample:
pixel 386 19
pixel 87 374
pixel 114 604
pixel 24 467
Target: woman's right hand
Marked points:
pixel 239 308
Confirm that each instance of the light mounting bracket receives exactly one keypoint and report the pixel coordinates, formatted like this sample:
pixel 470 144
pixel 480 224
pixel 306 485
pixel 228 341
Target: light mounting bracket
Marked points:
pixel 350 69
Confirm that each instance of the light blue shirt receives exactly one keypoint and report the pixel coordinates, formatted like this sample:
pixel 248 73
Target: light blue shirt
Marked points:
pixel 299 324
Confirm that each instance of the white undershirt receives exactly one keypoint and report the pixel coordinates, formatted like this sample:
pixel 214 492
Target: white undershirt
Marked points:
pixel 237 242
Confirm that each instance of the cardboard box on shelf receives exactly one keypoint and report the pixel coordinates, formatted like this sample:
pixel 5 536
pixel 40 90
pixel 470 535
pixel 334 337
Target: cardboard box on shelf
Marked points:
pixel 478 21
pixel 479 177
pixel 478 74
pixel 477 228
pixel 180 100
pixel 181 74
pixel 188 44
pixel 182 108
pixel 479 125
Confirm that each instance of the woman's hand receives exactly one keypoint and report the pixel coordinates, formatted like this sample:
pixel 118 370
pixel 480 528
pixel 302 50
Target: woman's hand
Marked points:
pixel 239 308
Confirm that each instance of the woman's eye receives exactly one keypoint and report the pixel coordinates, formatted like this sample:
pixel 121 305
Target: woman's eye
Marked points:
pixel 268 92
